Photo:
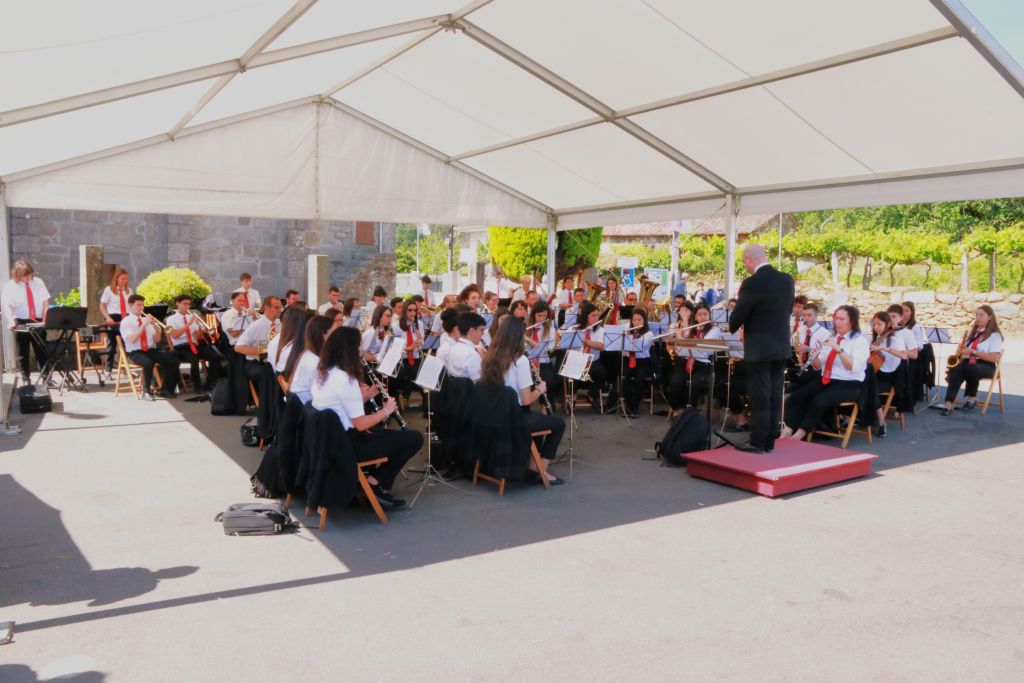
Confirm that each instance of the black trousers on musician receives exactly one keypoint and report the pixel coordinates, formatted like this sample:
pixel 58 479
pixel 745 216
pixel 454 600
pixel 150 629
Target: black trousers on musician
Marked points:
pixel 806 406
pixel 168 363
pixel 598 379
pixel 214 362
pixel 25 341
pixel 634 383
pixel 550 377
pixel 538 422
pixel 764 389
pixel 407 373
pixel 687 388
pixel 261 374
pixel 969 376
pixel 239 381
pixel 397 445
pixel 113 332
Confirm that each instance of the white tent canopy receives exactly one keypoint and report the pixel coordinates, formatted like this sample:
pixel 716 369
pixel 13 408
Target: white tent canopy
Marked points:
pixel 564 113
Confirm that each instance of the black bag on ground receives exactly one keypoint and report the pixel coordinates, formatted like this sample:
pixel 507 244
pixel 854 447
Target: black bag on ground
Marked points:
pixel 221 400
pixel 255 519
pixel 34 398
pixel 687 433
pixel 250 433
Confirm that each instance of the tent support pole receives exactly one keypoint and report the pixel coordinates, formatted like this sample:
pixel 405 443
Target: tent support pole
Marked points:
pixel 732 207
pixel 550 276
pixel 8 359
pixel 673 276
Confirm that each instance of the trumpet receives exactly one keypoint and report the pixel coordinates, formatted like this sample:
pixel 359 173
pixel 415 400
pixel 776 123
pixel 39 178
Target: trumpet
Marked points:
pixel 383 391
pixel 249 313
pixel 163 327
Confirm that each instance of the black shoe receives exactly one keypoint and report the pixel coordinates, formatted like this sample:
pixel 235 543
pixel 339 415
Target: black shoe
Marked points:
pixel 595 404
pixel 945 412
pixel 25 379
pixel 748 448
pixel 881 431
pixel 556 482
pixel 167 394
pixel 968 407
pixel 385 498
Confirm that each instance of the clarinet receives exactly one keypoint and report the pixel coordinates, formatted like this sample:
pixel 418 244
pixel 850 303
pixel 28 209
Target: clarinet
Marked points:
pixel 535 375
pixel 383 391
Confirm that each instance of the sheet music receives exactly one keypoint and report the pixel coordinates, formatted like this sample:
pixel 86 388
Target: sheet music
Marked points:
pixel 429 376
pixel 540 350
pixel 575 365
pixel 388 364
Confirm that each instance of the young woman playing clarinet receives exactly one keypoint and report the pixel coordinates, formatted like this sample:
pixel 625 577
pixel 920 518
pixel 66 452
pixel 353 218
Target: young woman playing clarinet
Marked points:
pixel 338 386
pixel 541 316
pixel 293 324
pixel 506 364
pixel 979 351
pixel 114 306
pixel 692 376
pixel 636 367
pixel 843 363
pixel 593 343
pixel 376 333
pixel 411 335
pixel 887 352
pixel 301 367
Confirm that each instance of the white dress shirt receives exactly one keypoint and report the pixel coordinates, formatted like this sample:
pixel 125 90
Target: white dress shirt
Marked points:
pixel 643 342
pixel 706 356
pixel 918 333
pixel 544 333
pixel 444 347
pixel 518 376
pixel 254 297
pixel 894 342
pixel 113 301
pixel 371 341
pixel 129 325
pixel 564 297
pixel 15 298
pixel 323 308
pixel 596 335
pixel 403 336
pixel 278 361
pixel 819 335
pixel 304 376
pixel 257 335
pixel 464 361
pixel 994 344
pixel 232 320
pixel 339 392
pixel 858 346
pixel 177 321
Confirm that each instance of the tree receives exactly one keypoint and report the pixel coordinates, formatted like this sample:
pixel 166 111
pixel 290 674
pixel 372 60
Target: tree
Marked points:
pixel 524 251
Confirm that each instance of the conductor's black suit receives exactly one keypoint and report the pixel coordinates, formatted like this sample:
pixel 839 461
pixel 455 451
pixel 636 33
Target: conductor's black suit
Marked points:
pixel 762 309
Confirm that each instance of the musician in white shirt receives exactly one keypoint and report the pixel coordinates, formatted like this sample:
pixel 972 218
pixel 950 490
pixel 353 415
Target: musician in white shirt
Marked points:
pixel 114 307
pixel 429 298
pixel 141 337
pixel 234 320
pixel 251 298
pixel 339 387
pixel 410 335
pixel 591 330
pixel 809 338
pixel 191 345
pixel 333 300
pixel 543 330
pixel 376 334
pixel 980 351
pixel 506 364
pixel 253 341
pixel 636 366
pixel 449 333
pixel 908 340
pixel 490 300
pixel 464 359
pixel 888 348
pixel 25 300
pixel 301 370
pixel 843 364
pixel 447 303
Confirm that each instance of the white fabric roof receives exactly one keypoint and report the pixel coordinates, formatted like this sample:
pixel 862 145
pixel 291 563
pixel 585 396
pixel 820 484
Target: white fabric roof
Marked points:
pixel 503 111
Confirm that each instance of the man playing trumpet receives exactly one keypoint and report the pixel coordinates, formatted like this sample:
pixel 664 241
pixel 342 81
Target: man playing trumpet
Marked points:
pixel 141 335
pixel 189 337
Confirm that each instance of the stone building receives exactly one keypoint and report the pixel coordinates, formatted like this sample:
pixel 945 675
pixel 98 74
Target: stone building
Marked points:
pixel 218 248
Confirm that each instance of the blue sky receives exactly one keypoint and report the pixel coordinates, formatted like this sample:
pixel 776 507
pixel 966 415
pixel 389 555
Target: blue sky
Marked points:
pixel 1005 20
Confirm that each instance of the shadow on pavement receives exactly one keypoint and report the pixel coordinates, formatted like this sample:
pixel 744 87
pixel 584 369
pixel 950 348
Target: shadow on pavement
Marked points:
pixel 19 673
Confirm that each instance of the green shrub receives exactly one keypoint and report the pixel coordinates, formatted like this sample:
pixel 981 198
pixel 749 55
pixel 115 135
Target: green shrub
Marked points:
pixel 162 286
pixel 72 298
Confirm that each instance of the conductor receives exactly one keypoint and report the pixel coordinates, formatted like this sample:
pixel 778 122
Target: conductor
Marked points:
pixel 762 310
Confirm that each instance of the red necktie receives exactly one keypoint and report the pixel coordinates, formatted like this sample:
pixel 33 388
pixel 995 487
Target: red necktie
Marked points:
pixel 807 342
pixel 245 298
pixel 796 325
pixel 191 344
pixel 826 374
pixel 536 338
pixel 586 338
pixel 615 315
pixel 142 338
pixel 974 346
pixel 691 361
pixel 632 358
pixel 31 302
pixel 408 343
pixel 124 306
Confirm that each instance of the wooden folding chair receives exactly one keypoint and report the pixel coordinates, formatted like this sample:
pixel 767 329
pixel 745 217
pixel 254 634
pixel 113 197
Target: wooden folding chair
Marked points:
pixel 534 454
pixel 996 381
pixel 887 407
pixel 577 401
pixel 132 373
pixel 851 427
pixel 254 394
pixel 85 350
pixel 364 484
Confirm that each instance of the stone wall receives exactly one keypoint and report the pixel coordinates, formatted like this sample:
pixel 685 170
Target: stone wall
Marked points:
pixel 951 310
pixel 218 248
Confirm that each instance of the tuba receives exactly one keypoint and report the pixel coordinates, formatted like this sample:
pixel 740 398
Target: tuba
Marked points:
pixel 647 288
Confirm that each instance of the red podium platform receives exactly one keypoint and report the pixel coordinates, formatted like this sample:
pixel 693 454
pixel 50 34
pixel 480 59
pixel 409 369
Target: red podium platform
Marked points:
pixel 792 466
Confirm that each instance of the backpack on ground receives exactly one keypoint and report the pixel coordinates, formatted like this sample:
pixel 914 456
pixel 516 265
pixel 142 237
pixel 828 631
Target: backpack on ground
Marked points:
pixel 250 433
pixel 687 433
pixel 255 519
pixel 221 401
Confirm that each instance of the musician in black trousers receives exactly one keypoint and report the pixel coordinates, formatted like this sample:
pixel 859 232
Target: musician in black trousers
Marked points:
pixel 763 310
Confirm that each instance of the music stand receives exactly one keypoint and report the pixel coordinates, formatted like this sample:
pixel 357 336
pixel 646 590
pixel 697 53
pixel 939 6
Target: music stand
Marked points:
pixel 431 342
pixel 353 320
pixel 575 366
pixel 939 336
pixel 430 377
pixel 616 344
pixel 570 320
pixel 158 311
pixel 65 320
